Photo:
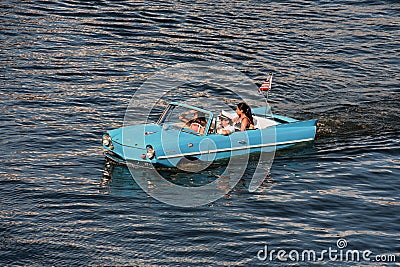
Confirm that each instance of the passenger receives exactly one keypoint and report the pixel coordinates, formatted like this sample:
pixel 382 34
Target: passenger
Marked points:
pixel 198 125
pixel 225 126
pixel 195 122
pixel 244 120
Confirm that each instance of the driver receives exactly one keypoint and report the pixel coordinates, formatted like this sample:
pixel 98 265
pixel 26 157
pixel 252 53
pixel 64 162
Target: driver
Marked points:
pixel 225 126
pixel 198 125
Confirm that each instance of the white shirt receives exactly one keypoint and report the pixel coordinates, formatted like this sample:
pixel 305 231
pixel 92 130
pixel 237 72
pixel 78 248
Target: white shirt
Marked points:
pixel 230 129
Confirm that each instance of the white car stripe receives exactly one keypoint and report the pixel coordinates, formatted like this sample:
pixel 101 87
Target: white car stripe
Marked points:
pixel 233 149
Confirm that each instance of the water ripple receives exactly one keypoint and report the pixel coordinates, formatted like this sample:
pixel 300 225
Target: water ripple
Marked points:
pixel 69 69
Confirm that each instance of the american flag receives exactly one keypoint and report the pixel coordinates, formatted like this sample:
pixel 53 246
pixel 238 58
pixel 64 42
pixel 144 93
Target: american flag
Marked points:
pixel 266 86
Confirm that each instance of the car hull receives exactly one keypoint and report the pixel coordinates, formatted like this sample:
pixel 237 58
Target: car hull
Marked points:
pixel 158 144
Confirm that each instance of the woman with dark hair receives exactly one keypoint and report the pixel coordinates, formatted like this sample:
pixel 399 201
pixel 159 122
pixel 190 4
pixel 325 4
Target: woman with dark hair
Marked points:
pixel 244 120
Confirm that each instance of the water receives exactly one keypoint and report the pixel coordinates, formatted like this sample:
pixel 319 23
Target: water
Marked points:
pixel 69 69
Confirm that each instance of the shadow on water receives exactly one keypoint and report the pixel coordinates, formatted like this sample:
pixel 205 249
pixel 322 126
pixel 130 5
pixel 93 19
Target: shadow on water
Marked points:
pixel 119 177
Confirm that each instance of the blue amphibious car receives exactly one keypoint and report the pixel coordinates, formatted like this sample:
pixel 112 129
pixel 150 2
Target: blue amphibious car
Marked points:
pixel 185 132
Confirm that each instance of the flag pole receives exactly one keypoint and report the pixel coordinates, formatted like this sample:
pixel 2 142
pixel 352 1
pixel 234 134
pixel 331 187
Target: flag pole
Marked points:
pixel 264 89
pixel 270 84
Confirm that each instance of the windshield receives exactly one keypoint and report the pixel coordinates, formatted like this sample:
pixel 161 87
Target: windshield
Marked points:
pixel 183 118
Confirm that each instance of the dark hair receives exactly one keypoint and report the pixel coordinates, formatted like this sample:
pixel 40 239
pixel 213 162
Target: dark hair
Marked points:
pixel 201 120
pixel 246 110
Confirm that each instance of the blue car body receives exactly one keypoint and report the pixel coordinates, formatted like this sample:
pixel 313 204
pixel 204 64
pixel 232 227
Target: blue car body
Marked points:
pixel 168 142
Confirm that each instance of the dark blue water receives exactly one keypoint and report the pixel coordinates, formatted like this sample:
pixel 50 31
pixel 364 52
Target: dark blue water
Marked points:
pixel 70 68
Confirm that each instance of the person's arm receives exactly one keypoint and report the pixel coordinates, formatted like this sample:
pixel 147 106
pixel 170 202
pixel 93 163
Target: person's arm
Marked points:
pixel 224 131
pixel 183 118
